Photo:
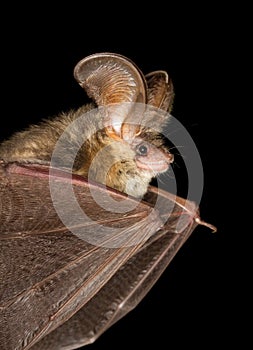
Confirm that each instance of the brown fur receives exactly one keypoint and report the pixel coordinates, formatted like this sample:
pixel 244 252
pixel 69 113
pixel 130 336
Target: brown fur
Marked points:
pixel 82 140
pixel 115 167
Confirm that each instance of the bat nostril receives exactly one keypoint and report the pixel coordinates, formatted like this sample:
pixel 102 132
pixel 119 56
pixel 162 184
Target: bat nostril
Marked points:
pixel 170 158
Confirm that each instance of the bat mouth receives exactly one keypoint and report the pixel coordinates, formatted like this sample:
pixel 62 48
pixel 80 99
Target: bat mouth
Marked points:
pixel 157 166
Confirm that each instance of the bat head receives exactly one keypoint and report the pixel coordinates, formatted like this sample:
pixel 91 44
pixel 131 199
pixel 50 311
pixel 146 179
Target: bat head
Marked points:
pixel 135 110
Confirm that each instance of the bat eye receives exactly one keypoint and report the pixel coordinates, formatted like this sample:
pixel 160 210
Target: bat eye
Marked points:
pixel 142 150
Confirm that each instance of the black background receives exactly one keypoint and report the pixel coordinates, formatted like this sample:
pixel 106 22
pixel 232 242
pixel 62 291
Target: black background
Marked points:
pixel 189 304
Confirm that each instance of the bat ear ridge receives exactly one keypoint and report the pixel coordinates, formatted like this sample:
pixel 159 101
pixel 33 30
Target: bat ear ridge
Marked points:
pixel 160 90
pixel 113 81
pixel 122 121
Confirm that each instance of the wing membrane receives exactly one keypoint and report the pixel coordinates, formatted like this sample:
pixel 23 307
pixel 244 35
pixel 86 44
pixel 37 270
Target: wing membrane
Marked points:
pixel 59 291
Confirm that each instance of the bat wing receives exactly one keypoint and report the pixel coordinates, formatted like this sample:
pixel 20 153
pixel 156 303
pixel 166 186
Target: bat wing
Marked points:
pixel 65 276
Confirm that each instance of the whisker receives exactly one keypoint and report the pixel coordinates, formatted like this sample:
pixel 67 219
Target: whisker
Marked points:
pixel 175 147
pixel 176 165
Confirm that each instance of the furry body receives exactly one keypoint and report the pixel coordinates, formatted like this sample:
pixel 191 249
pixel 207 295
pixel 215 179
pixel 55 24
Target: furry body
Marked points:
pixel 113 140
pixel 83 146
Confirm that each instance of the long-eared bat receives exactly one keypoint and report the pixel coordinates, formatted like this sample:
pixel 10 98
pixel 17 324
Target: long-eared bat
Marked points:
pixel 76 255
pixel 130 137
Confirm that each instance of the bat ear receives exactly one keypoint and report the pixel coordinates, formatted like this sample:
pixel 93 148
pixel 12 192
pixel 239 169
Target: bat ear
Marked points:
pixel 160 91
pixel 112 80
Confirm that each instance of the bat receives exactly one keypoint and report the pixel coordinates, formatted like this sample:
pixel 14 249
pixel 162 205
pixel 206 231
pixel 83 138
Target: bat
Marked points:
pixel 79 249
pixel 119 143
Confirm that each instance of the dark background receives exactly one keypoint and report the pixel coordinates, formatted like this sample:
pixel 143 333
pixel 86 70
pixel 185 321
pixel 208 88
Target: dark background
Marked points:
pixel 189 304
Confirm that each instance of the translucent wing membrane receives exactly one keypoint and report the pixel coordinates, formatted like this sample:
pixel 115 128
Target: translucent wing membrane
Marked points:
pixel 60 291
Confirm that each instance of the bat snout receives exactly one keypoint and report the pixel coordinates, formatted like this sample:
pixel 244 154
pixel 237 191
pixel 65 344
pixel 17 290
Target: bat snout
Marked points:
pixel 170 158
